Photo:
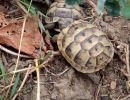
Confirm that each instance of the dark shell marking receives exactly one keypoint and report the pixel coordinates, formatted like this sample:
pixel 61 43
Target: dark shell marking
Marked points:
pixel 85 47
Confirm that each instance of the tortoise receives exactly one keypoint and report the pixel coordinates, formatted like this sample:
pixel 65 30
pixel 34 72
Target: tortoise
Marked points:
pixel 63 13
pixel 85 47
pixel 82 44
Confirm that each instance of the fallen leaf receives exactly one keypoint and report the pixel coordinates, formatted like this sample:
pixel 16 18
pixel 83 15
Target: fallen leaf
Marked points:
pixel 11 33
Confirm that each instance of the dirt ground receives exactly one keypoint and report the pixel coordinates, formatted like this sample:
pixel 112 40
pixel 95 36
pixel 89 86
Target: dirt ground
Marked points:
pixel 111 83
pixel 60 81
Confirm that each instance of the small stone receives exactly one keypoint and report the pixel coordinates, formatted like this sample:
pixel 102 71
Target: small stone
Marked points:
pixel 113 84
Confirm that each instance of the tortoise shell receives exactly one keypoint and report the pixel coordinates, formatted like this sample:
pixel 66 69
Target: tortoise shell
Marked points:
pixel 85 47
pixel 64 14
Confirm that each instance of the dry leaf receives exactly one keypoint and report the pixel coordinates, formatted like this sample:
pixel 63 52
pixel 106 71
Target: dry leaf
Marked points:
pixel 10 35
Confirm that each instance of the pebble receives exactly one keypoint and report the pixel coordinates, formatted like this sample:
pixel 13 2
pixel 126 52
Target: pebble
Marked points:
pixel 113 84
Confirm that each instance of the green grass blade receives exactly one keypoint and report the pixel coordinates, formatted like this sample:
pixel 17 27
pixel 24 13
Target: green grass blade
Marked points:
pixel 126 11
pixel 3 72
pixel 14 88
pixel 72 2
pixel 32 9
pixel 1 97
pixel 42 14
pixel 125 8
pixel 42 27
pixel 112 7
pixel 100 6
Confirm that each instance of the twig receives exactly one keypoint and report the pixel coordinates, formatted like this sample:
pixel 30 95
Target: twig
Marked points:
pixel 21 70
pixel 98 90
pixel 23 82
pixel 127 59
pixel 21 6
pixel 21 38
pixel 46 61
pixel 118 97
pixel 13 11
pixel 38 80
pixel 17 71
pixel 125 98
pixel 126 50
pixel 59 74
pixel 13 53
pixel 6 87
pixel 17 62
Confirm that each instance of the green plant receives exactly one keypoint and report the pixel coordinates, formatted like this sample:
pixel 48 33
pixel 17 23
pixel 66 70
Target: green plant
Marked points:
pixel 113 7
pixel 71 2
